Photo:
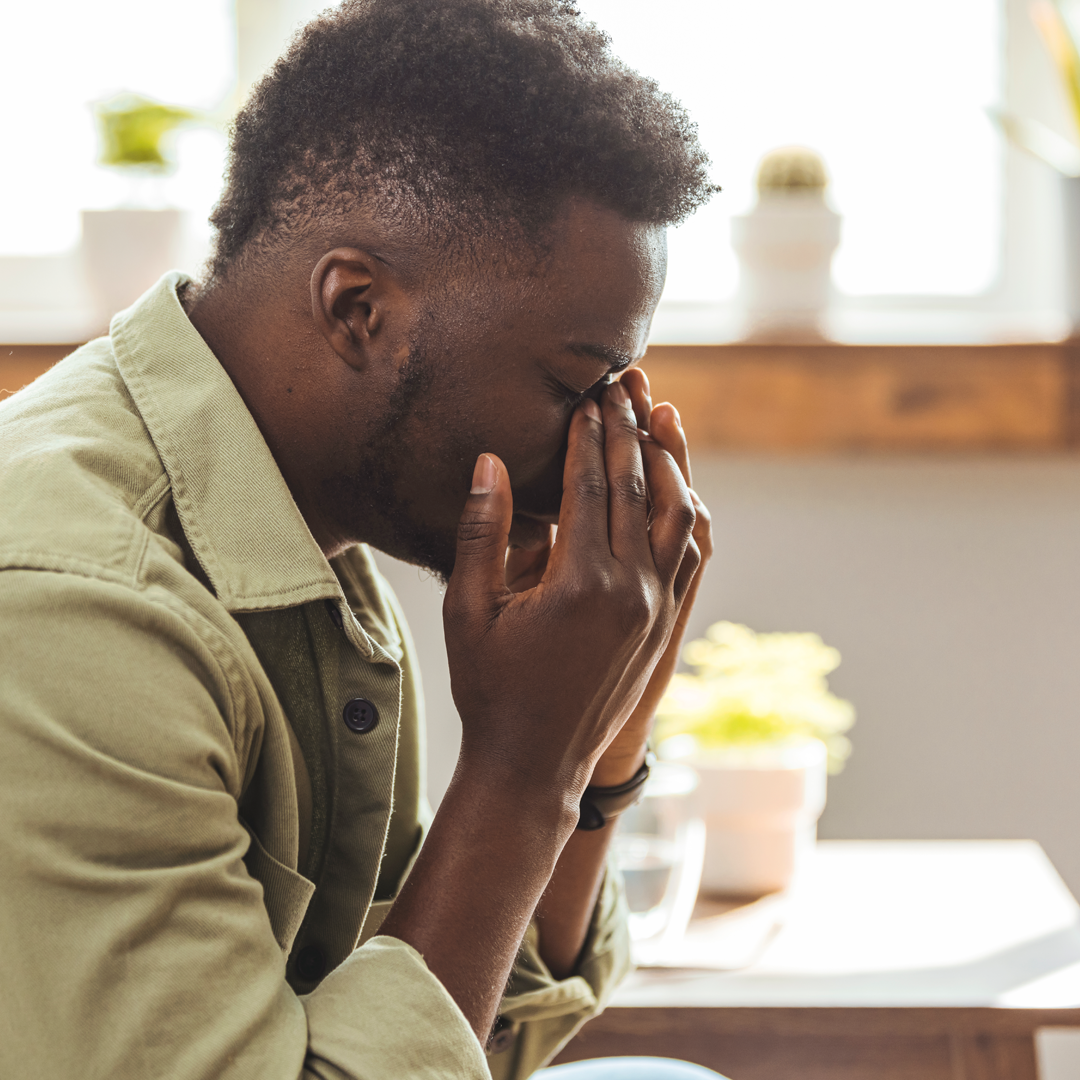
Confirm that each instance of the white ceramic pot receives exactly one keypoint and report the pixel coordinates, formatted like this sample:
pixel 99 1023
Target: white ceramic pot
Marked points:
pixel 124 252
pixel 785 247
pixel 761 806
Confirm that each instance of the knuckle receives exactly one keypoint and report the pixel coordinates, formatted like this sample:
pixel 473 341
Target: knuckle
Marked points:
pixel 629 486
pixel 692 556
pixel 637 605
pixel 591 486
pixel 627 420
pixel 683 516
pixel 477 530
pixel 581 595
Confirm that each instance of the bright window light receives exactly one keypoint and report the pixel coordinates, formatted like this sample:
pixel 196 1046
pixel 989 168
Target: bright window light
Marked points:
pixel 892 95
pixel 60 57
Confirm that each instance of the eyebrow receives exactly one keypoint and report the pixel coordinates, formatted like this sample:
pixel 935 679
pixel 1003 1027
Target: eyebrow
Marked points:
pixel 616 359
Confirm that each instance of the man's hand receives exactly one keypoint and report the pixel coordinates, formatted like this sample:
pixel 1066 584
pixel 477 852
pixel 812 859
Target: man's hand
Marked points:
pixel 545 679
pixel 626 753
pixel 525 569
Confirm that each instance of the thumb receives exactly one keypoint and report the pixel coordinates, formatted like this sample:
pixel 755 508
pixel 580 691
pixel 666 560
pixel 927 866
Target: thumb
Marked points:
pixel 483 533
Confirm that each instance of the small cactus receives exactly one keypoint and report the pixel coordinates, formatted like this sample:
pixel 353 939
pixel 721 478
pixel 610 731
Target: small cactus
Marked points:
pixel 791 169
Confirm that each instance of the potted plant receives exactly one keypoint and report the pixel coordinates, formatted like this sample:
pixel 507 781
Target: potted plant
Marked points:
pixel 757 721
pixel 125 250
pixel 785 246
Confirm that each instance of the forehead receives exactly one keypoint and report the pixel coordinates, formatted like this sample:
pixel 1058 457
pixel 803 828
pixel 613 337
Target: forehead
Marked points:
pixel 597 279
pixel 600 268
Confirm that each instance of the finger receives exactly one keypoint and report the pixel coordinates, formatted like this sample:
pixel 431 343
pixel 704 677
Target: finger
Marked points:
pixel 637 384
pixel 482 537
pixel 690 574
pixel 673 514
pixel 666 428
pixel 583 513
pixel 703 534
pixel 698 553
pixel 628 496
pixel 688 581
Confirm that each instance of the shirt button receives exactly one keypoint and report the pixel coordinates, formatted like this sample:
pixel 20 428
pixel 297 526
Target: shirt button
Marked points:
pixel 503 1038
pixel 310 963
pixel 335 614
pixel 360 715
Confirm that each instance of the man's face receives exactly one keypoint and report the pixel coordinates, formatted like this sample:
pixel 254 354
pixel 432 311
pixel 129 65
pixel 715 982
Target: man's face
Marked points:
pixel 498 366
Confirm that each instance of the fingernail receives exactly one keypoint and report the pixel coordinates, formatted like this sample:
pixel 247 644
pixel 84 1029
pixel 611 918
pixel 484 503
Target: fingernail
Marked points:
pixel 678 418
pixel 592 411
pixel 619 395
pixel 484 476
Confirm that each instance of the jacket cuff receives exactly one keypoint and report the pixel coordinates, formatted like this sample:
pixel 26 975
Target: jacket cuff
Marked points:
pixel 383 1015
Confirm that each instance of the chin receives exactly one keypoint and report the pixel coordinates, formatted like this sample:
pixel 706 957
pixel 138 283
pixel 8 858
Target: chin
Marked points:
pixel 429 550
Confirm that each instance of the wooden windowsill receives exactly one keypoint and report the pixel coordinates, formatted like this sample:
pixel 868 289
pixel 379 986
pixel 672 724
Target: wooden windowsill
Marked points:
pixel 828 398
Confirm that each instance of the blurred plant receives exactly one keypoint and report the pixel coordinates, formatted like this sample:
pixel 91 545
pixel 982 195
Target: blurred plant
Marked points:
pixel 1050 21
pixel 134 132
pixel 757 688
pixel 1037 139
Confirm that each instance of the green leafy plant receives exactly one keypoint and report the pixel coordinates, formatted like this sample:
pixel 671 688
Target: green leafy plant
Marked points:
pixel 750 688
pixel 135 132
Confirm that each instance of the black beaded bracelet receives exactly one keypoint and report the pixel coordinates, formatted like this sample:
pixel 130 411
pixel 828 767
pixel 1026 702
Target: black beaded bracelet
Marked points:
pixel 600 804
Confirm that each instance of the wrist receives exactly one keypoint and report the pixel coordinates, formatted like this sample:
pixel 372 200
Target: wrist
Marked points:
pixel 617 766
pixel 522 802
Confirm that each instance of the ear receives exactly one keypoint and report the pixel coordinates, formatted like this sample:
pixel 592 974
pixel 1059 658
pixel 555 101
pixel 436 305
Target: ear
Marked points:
pixel 350 293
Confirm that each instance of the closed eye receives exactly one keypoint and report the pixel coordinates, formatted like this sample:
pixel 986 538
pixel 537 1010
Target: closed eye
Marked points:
pixel 574 398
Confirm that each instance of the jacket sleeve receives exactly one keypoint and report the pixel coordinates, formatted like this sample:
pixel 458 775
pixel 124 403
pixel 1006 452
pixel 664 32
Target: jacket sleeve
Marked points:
pixel 540 1013
pixel 135 943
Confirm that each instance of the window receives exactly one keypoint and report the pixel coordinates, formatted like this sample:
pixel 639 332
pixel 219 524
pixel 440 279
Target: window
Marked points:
pixel 62 56
pixel 894 96
pixel 940 217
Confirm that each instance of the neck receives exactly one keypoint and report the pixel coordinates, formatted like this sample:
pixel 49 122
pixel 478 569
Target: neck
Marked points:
pixel 279 386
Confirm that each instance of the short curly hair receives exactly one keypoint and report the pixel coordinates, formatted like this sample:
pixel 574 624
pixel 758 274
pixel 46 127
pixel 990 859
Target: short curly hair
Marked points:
pixel 458 115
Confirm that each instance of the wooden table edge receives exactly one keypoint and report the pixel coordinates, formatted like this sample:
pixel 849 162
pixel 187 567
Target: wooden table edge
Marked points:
pixel 828 1020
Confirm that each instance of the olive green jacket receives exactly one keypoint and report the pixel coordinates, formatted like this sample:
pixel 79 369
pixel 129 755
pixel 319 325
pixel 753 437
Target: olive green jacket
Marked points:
pixel 176 662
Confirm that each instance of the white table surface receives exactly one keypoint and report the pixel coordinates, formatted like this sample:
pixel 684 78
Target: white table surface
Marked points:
pixel 890 923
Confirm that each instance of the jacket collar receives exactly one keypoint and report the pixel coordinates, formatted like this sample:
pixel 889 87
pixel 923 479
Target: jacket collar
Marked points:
pixel 235 507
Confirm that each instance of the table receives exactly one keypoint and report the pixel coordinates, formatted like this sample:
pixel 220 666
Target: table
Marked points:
pixel 893 960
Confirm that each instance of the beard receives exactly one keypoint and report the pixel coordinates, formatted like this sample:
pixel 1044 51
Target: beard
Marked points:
pixel 370 496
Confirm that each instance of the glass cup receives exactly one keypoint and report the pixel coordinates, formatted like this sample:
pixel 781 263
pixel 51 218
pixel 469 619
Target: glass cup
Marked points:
pixel 659 848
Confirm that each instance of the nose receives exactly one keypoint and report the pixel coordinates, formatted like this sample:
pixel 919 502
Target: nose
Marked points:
pixel 597 388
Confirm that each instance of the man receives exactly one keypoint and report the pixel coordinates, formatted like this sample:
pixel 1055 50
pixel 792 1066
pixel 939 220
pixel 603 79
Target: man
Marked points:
pixel 442 237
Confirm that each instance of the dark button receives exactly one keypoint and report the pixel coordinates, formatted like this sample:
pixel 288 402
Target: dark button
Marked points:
pixel 360 715
pixel 310 963
pixel 502 1037
pixel 335 614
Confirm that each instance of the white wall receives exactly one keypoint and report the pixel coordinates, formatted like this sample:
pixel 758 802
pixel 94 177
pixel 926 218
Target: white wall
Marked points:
pixel 952 589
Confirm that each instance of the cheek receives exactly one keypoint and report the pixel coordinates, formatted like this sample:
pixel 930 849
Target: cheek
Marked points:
pixel 535 443
pixel 535 464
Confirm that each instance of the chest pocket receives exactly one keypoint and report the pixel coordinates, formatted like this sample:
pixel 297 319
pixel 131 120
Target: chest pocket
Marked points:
pixel 286 894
